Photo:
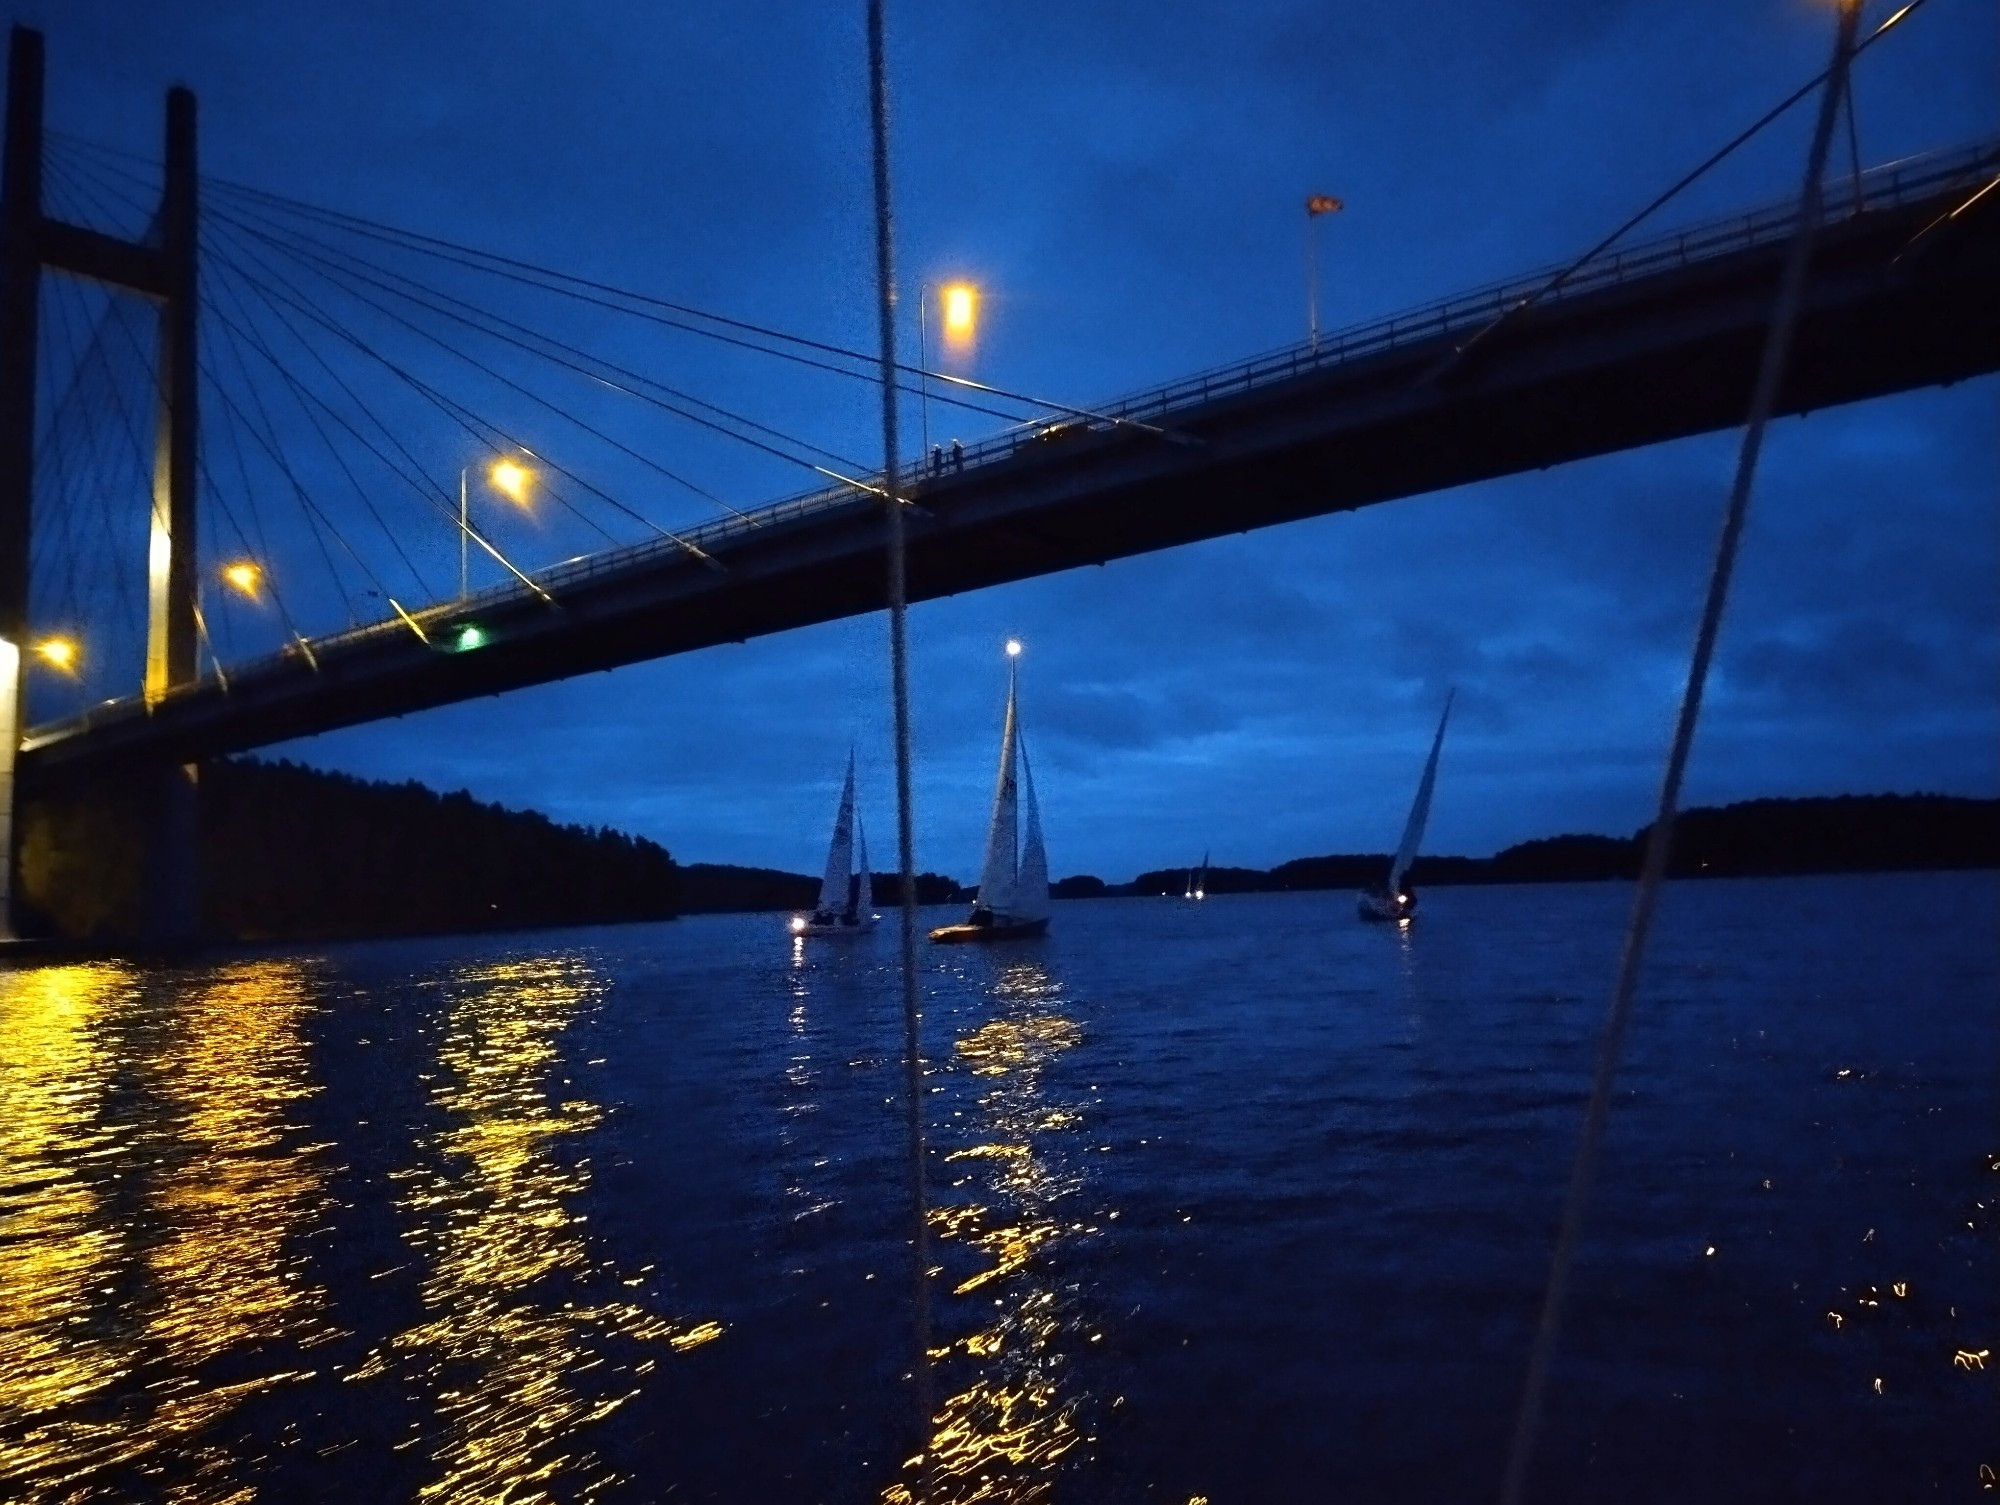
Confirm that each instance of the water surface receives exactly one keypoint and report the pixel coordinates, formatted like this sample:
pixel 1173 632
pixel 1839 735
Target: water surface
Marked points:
pixel 1236 1200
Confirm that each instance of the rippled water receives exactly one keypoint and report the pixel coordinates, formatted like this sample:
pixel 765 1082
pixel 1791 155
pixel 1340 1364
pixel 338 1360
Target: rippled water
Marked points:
pixel 1231 1201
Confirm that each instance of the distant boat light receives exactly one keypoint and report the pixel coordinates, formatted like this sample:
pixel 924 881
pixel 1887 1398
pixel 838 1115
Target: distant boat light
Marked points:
pixel 798 924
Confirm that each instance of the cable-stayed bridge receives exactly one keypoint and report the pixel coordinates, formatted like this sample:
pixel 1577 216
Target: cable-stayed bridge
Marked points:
pixel 355 382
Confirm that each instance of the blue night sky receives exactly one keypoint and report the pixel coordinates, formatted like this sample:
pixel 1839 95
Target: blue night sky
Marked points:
pixel 1125 181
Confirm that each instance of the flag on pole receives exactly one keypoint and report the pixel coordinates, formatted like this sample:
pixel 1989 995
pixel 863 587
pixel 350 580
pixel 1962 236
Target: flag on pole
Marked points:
pixel 1319 203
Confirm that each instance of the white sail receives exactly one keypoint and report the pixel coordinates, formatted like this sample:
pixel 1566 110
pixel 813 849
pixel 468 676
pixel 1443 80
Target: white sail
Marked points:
pixel 840 852
pixel 1031 884
pixel 864 891
pixel 1420 810
pixel 998 872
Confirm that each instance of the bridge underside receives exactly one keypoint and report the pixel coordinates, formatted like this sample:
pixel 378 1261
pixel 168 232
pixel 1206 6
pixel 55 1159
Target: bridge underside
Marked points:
pixel 1630 365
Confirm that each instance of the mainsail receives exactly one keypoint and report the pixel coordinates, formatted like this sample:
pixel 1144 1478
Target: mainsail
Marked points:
pixel 1420 811
pixel 864 891
pixel 998 873
pixel 840 852
pixel 1031 884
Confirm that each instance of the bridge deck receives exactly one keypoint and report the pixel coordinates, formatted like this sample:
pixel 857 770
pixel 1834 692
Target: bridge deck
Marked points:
pixel 1654 343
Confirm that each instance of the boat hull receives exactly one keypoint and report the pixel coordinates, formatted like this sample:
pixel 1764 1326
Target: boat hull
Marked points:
pixel 1385 910
pixel 1024 930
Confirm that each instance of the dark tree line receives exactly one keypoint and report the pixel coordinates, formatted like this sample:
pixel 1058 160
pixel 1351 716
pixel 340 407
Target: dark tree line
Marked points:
pixel 1758 838
pixel 288 852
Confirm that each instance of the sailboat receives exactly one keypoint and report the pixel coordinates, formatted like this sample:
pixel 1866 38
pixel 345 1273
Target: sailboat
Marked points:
pixel 1013 901
pixel 1197 883
pixel 1395 900
pixel 845 898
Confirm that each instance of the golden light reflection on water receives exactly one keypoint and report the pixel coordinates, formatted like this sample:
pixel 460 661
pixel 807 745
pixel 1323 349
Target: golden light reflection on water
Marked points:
pixel 501 1352
pixel 1002 1433
pixel 58 1245
pixel 152 1195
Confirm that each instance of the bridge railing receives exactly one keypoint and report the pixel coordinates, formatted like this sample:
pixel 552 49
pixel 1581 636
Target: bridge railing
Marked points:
pixel 1888 186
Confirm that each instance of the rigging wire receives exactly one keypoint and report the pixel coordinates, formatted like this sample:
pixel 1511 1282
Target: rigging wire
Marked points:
pixel 1770 376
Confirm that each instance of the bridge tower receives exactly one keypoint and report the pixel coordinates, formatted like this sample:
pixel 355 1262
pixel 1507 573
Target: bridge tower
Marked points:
pixel 161 268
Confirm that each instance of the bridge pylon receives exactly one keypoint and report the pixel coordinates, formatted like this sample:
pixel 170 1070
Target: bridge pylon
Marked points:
pixel 161 268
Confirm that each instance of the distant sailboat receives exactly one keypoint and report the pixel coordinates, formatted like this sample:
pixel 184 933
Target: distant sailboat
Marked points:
pixel 1013 901
pixel 845 901
pixel 1197 883
pixel 1396 901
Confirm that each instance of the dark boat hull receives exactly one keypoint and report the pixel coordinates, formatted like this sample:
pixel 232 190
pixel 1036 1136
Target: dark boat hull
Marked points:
pixel 1026 930
pixel 1382 910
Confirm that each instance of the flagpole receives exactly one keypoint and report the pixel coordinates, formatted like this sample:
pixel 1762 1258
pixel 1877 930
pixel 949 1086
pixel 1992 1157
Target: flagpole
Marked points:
pixel 1317 204
pixel 1312 279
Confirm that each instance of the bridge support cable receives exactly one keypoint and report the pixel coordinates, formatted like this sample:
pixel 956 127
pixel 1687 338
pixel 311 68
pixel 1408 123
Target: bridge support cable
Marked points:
pixel 267 440
pixel 344 277
pixel 290 296
pixel 899 686
pixel 661 310
pixel 239 333
pixel 314 514
pixel 102 391
pixel 340 273
pixel 116 194
pixel 656 310
pixel 94 199
pixel 1659 838
pixel 570 357
pixel 414 477
pixel 317 516
pixel 1743 137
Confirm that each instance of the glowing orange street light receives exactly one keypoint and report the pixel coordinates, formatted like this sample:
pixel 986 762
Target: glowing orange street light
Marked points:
pixel 59 652
pixel 244 575
pixel 510 478
pixel 959 303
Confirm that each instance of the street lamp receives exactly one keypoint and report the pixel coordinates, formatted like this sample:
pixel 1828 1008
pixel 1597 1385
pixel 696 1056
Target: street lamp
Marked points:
pixel 58 652
pixel 959 303
pixel 505 475
pixel 244 575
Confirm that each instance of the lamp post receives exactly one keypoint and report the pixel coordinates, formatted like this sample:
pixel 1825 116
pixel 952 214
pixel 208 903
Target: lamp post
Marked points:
pixel 506 476
pixel 958 303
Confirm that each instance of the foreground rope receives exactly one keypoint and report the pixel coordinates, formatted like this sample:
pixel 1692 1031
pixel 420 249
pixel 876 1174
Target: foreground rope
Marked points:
pixel 1770 376
pixel 899 680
